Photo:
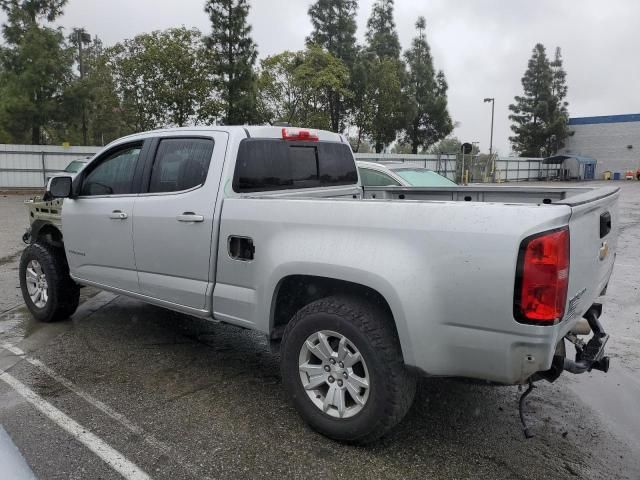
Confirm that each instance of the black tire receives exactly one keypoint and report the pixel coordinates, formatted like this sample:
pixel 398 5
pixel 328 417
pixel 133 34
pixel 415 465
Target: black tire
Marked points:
pixel 63 292
pixel 370 329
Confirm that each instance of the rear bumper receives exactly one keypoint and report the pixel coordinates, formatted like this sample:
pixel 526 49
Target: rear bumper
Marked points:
pixel 510 358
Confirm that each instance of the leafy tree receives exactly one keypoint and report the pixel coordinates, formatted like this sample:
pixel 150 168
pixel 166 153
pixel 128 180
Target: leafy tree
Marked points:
pixel 428 117
pixel 322 77
pixel 384 101
pixel 381 35
pixel 360 145
pixel 334 29
pixel 362 103
pixel 450 146
pixel 233 56
pixel 401 148
pixel 296 87
pixel 280 97
pixel 540 115
pixel 36 68
pixel 162 78
pixel 92 97
pixel 380 103
pixel 103 106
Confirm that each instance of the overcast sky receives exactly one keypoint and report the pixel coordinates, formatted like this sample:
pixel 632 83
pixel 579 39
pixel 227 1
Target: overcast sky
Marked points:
pixel 482 45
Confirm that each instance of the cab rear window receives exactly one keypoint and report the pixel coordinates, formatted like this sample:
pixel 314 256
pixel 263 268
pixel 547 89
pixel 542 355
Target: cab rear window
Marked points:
pixel 273 164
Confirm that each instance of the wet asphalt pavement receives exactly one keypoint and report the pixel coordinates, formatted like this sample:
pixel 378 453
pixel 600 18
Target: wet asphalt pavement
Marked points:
pixel 183 398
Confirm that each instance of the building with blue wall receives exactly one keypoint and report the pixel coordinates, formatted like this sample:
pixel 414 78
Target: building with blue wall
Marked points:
pixel 613 140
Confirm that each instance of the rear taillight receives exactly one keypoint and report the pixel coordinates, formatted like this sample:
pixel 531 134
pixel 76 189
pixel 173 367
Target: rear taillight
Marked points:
pixel 542 278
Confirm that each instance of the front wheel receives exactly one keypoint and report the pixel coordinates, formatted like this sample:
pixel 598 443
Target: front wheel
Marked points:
pixel 342 366
pixel 47 289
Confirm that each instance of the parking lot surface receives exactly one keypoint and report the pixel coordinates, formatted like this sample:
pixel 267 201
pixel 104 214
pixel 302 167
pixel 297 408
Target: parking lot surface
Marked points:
pixel 128 389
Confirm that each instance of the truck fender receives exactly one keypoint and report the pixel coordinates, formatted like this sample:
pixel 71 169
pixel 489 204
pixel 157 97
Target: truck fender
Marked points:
pixel 353 276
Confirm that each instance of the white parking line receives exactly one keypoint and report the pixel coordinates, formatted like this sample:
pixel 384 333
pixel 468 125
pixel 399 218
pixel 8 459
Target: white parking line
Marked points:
pixel 109 455
pixel 103 407
pixel 125 422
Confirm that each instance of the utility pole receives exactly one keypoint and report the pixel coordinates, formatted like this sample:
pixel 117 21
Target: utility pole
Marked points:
pixel 82 37
pixel 493 104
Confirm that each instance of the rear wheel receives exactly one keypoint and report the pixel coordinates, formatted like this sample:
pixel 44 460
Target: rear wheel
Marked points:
pixel 47 289
pixel 342 366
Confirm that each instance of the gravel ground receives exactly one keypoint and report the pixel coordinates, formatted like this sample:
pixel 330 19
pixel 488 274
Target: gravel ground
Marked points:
pixel 186 398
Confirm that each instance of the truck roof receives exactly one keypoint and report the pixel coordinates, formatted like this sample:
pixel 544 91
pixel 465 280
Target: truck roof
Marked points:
pixel 253 131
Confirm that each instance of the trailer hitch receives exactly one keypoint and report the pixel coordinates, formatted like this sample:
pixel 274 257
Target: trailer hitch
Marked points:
pixel 589 355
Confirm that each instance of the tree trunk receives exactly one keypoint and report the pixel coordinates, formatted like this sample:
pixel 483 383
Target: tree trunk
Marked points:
pixel 334 109
pixel 359 140
pixel 35 135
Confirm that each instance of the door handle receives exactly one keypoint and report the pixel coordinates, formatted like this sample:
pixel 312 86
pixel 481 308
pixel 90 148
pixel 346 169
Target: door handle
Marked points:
pixel 118 215
pixel 190 217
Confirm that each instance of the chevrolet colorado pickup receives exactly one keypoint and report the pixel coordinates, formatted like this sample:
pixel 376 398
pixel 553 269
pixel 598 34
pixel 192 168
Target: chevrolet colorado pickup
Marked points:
pixel 363 289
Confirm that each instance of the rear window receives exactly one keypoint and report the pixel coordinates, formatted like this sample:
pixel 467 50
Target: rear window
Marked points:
pixel 274 164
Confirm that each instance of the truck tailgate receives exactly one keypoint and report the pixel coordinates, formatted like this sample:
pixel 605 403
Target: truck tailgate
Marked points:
pixel 593 228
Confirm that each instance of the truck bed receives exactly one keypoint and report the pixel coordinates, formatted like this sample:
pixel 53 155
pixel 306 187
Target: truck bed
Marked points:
pixel 570 196
pixel 446 268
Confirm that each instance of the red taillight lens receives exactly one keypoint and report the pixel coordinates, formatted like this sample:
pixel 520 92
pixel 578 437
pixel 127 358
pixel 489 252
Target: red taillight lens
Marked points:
pixel 542 278
pixel 298 134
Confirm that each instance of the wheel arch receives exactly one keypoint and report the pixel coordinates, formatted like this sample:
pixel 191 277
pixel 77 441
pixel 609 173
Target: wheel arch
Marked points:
pixel 294 291
pixel 46 232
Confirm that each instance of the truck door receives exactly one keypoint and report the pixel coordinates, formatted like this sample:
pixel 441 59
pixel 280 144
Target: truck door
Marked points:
pixel 173 217
pixel 97 223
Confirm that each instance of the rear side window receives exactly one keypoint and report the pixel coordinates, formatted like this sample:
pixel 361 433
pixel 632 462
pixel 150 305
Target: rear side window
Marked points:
pixel 273 164
pixel 180 164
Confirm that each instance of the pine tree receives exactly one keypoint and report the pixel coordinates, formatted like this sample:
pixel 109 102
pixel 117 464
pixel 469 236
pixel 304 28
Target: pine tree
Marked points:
pixel 24 14
pixel 558 130
pixel 334 29
pixel 532 111
pixel 428 119
pixel 379 78
pixel 233 58
pixel 381 35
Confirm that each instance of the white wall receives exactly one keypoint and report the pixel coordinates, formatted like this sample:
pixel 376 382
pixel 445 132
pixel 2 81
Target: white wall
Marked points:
pixel 607 143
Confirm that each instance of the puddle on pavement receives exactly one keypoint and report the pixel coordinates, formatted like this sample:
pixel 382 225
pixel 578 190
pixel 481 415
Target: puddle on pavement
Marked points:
pixel 614 398
pixel 18 324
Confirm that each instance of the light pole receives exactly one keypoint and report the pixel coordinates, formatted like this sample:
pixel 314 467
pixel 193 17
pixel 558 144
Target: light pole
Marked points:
pixel 493 105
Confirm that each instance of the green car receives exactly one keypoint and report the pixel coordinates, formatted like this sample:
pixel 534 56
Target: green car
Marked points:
pixel 401 175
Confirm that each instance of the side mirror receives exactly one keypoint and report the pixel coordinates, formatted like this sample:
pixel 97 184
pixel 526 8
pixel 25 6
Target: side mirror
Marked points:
pixel 59 187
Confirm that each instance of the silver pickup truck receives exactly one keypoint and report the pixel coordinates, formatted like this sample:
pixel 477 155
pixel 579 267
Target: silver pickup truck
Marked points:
pixel 363 289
